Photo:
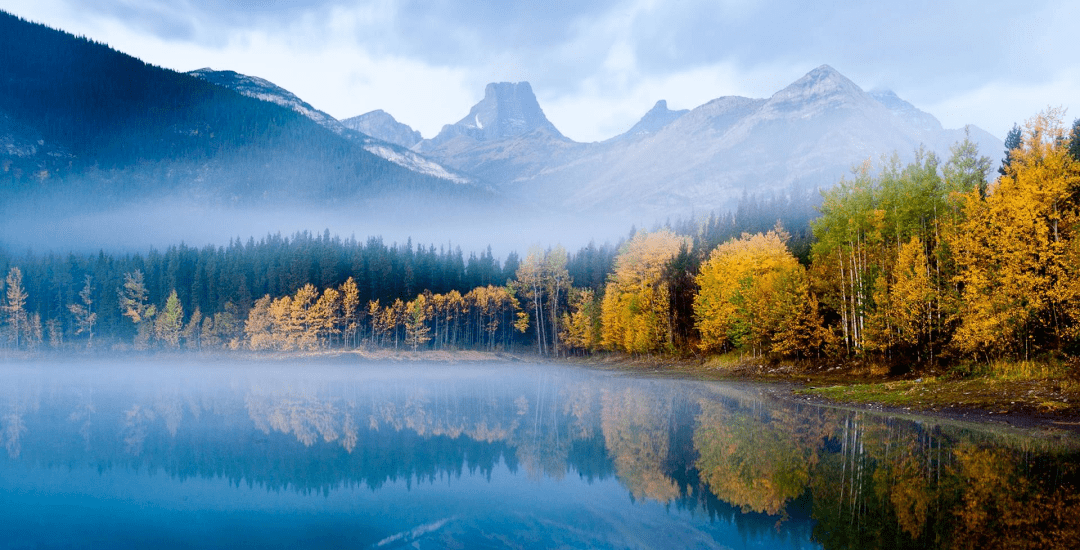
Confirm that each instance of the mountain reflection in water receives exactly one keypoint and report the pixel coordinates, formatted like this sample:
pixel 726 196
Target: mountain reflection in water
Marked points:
pixel 505 456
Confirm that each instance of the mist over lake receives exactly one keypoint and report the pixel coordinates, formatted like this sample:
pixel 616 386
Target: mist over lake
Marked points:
pixel 314 453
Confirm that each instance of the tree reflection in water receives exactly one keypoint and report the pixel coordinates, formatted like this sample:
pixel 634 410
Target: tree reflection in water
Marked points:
pixel 844 479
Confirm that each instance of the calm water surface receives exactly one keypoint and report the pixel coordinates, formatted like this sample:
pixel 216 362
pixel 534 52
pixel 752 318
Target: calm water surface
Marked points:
pixel 334 455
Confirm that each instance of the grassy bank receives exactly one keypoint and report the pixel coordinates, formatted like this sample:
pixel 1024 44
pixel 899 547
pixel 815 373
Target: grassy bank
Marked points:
pixel 1043 388
pixel 1000 387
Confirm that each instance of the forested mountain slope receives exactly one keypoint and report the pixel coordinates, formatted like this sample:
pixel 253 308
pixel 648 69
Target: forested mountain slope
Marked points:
pixel 77 117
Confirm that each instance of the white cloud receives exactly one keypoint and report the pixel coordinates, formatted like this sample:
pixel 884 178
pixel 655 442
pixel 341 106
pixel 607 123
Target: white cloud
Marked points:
pixel 997 105
pixel 598 66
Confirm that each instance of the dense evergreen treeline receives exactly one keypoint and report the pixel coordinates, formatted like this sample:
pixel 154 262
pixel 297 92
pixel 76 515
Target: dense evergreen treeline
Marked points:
pixel 227 280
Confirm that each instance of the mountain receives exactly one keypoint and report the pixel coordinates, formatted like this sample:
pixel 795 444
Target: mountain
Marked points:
pixel 381 125
pixel 805 136
pixel 87 132
pixel 505 137
pixel 509 109
pixel 655 120
pixel 264 90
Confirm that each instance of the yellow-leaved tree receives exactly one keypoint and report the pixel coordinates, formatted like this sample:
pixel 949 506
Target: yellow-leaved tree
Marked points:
pixel 754 296
pixel 635 312
pixel 1016 250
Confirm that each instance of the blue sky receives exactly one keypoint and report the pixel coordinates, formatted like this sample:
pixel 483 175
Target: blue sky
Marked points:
pixel 596 67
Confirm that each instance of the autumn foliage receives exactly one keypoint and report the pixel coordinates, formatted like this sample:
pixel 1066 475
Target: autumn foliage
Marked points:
pixel 928 262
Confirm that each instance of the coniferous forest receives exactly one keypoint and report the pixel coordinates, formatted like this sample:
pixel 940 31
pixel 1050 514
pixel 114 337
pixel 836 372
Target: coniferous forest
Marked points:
pixel 935 261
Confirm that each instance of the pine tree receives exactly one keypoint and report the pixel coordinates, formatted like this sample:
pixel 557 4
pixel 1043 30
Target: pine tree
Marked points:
pixel 1074 141
pixel 1013 141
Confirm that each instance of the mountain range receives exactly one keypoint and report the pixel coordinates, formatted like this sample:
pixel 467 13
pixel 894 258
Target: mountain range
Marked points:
pixel 808 135
pixel 85 124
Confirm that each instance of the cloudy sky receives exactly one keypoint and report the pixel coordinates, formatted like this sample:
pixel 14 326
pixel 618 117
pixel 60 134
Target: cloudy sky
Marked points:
pixel 597 66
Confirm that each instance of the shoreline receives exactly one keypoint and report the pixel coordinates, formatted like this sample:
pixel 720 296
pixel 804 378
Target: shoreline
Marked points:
pixel 1043 405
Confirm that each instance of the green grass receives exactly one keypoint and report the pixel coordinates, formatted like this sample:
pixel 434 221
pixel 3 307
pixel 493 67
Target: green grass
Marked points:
pixel 1000 386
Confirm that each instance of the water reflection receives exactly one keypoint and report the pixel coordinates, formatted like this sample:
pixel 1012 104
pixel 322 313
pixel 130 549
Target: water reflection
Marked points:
pixel 519 456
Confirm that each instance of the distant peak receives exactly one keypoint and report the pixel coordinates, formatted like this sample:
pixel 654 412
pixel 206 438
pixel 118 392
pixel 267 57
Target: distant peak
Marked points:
pixel 382 125
pixel 822 83
pixel 654 120
pixel 825 73
pixel 508 109
pixel 824 70
pixel 498 88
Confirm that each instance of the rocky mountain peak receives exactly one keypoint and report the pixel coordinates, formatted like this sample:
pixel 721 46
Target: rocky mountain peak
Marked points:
pixel 508 109
pixel 655 120
pixel 906 111
pixel 382 125
pixel 824 86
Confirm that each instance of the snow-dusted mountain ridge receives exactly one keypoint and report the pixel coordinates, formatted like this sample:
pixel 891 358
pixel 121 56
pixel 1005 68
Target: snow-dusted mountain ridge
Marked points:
pixel 401 155
pixel 381 125
pixel 807 135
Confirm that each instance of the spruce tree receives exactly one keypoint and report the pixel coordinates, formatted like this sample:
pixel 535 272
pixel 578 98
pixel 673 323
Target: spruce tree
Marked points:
pixel 1013 140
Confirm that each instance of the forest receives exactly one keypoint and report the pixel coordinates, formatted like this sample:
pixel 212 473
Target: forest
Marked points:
pixel 925 263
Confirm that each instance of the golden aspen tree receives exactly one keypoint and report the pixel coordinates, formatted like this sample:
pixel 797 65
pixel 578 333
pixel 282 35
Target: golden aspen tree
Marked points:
pixel 635 311
pixel 557 280
pixel 438 319
pixel 581 324
pixel 209 338
pixel 1015 253
pixel 455 304
pixel 350 310
pixel 192 332
pixel 912 294
pixel 303 325
pixel 842 250
pixel 325 316
pixel 750 289
pixel 800 328
pixel 170 322
pixel 417 313
pixel 259 327
pixel 530 282
pixel 281 318
pixel 374 311
pixel 393 317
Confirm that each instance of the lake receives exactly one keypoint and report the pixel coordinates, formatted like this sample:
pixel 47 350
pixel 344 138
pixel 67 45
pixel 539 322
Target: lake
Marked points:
pixel 331 454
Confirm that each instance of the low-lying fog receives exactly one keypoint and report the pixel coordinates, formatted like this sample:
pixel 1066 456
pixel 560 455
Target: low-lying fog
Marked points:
pixel 136 228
